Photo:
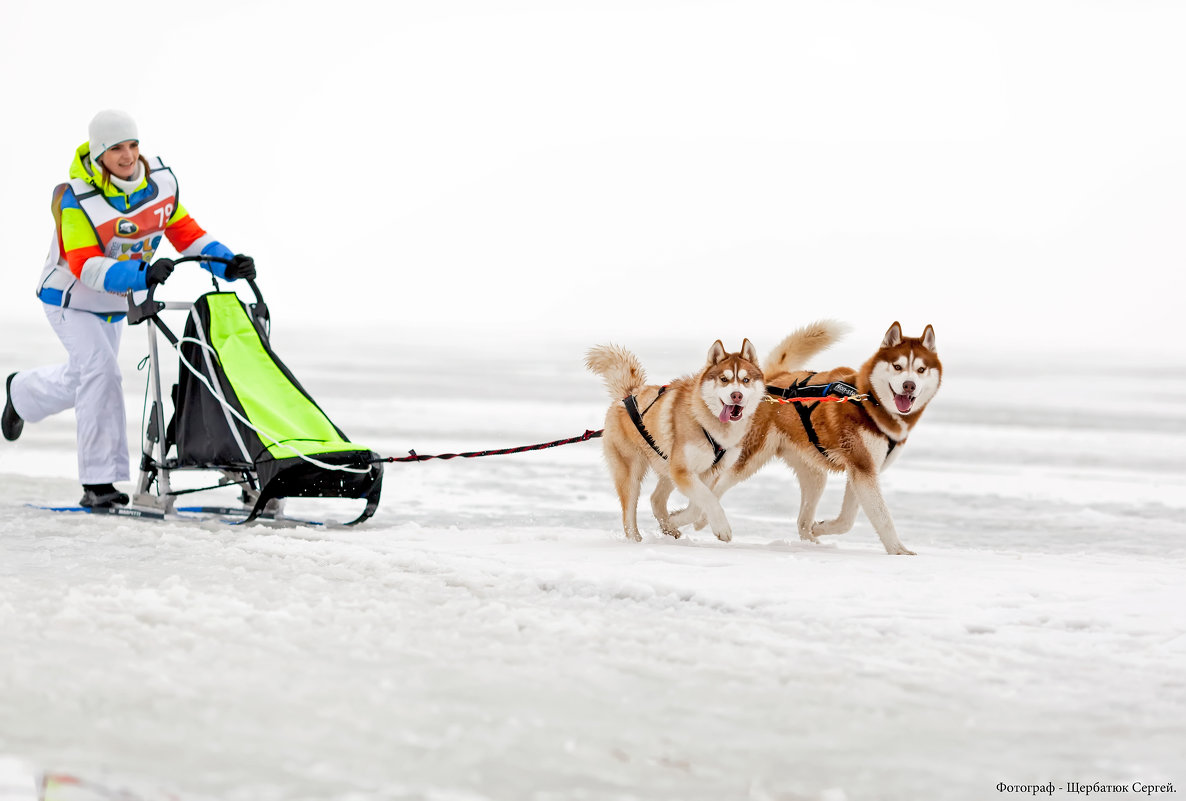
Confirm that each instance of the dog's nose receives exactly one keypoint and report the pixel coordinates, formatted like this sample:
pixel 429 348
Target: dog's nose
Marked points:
pixel 908 387
pixel 737 398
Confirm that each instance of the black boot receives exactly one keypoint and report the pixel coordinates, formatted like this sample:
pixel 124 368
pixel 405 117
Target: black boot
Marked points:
pixel 102 496
pixel 11 422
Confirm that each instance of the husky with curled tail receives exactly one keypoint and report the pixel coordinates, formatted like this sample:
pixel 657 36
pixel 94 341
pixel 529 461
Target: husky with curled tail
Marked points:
pixel 816 435
pixel 688 431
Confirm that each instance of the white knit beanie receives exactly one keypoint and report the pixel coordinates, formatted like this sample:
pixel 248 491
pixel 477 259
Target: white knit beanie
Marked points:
pixel 108 129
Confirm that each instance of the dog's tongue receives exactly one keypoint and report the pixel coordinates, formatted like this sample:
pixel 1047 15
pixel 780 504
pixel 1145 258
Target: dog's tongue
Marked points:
pixel 730 413
pixel 903 402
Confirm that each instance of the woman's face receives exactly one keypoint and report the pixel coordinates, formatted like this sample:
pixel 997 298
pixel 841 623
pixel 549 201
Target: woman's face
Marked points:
pixel 121 159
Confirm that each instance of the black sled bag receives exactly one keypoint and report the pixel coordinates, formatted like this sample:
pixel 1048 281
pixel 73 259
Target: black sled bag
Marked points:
pixel 239 408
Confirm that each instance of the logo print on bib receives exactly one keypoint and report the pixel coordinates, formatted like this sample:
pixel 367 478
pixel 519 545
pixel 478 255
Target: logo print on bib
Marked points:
pixel 125 227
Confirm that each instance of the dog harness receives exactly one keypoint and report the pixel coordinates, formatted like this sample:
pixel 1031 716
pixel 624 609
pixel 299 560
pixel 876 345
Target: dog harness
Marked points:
pixel 631 404
pixel 800 389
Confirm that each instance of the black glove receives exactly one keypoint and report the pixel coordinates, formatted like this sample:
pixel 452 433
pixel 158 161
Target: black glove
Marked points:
pixel 240 267
pixel 158 271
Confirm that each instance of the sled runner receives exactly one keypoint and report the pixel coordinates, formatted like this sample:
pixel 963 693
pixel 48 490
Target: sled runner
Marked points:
pixel 185 514
pixel 238 410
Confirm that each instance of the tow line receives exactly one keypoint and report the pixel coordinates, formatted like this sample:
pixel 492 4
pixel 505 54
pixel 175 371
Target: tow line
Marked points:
pixel 424 457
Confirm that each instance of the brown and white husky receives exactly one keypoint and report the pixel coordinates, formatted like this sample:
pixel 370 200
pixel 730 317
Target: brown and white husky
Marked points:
pixel 860 438
pixel 687 431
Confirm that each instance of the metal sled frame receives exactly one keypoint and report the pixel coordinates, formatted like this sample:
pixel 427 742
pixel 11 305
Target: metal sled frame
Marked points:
pixel 154 464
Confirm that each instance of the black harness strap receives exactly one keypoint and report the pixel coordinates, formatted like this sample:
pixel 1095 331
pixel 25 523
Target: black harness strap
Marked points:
pixel 893 443
pixel 799 389
pixel 716 447
pixel 631 404
pixel 805 416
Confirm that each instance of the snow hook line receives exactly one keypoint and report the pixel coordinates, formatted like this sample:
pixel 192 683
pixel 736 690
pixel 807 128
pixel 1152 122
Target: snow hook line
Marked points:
pixel 417 457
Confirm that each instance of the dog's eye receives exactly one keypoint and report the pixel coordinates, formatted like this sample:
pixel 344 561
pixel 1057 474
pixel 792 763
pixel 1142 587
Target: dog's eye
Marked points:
pixel 724 379
pixel 745 380
pixel 922 370
pixel 897 368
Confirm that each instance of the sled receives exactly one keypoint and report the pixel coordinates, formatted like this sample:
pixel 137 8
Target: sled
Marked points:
pixel 240 412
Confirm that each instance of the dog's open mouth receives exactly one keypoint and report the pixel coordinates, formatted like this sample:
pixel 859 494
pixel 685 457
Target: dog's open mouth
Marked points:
pixel 731 413
pixel 903 402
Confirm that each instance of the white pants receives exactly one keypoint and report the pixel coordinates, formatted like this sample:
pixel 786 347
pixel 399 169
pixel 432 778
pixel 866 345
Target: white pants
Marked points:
pixel 89 382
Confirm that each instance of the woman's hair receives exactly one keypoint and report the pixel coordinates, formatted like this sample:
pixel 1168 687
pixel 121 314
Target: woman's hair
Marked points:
pixel 105 174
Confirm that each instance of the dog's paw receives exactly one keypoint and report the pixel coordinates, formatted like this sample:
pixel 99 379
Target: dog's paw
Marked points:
pixel 670 530
pixel 899 550
pixel 688 516
pixel 724 534
pixel 634 535
pixel 824 528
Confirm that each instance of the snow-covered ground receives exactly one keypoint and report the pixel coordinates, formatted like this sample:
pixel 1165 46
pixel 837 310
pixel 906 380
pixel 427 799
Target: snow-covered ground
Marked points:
pixel 491 634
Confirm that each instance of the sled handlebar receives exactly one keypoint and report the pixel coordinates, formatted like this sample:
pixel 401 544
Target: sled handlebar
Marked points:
pixel 150 308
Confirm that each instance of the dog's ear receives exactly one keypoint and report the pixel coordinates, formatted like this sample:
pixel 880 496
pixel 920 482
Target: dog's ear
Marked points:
pixel 893 336
pixel 928 339
pixel 749 352
pixel 716 353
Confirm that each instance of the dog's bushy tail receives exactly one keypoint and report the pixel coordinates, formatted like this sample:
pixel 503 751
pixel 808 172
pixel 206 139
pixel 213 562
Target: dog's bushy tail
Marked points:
pixel 794 351
pixel 620 368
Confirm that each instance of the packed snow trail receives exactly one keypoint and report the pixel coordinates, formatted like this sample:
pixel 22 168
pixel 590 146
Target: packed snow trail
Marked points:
pixel 491 634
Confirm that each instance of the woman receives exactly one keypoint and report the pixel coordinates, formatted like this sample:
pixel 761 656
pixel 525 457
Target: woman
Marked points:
pixel 109 221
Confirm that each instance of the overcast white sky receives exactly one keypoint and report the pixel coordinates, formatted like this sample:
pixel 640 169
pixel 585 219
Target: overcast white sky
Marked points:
pixel 618 169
